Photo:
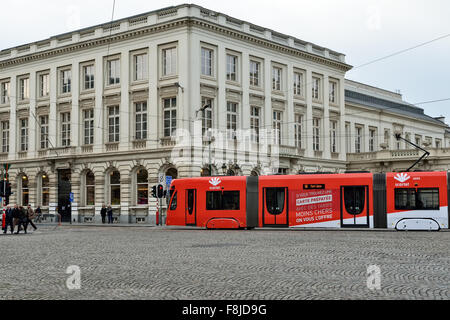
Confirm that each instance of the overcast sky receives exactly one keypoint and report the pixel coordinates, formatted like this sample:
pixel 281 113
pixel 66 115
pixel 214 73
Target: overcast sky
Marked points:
pixel 364 30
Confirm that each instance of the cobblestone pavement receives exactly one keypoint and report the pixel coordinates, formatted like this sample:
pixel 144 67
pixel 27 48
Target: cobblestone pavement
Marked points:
pixel 155 263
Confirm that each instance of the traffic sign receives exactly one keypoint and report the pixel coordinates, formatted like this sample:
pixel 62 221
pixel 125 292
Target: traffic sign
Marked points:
pixel 71 197
pixel 168 181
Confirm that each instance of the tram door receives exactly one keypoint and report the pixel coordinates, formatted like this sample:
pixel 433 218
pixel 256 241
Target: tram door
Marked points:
pixel 191 207
pixel 275 207
pixel 355 207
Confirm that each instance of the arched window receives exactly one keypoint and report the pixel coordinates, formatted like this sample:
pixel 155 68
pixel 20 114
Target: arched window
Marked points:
pixel 142 186
pixel 114 185
pixel 25 191
pixel 45 187
pixel 90 189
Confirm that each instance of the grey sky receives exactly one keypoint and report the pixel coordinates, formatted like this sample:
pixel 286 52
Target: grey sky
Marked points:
pixel 364 30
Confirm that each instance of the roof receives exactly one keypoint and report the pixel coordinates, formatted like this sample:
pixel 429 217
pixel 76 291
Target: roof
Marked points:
pixel 402 108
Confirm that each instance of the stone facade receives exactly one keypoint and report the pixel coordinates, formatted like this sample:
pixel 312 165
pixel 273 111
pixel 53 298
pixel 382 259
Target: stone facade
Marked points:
pixel 105 101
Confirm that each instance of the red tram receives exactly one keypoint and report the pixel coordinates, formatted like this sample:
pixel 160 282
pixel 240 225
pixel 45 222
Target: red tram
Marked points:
pixel 405 201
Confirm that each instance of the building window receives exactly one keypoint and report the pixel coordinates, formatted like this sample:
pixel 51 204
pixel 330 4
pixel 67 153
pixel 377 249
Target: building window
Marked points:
pixel 207 62
pixel 358 139
pixel 140 67
pixel 315 88
pixel 142 187
pixel 169 61
pixel 90 189
pixel 170 116
pixel 24 89
pixel 4 93
pixel 114 185
pixel 255 120
pixel 207 115
pixel 418 140
pixel 316 134
pixel 372 139
pixel 113 68
pixel 88 123
pixel 298 83
pixel 232 67
pixel 276 79
pixel 43 122
pixel 45 189
pixel 387 136
pixel 333 136
pixel 65 129
pixel 66 81
pixel 298 128
pixel 333 92
pixel 23 134
pixel 347 138
pixel 88 77
pixel 113 124
pixel 255 73
pixel 277 116
pixel 438 143
pixel 25 191
pixel 408 138
pixel 5 136
pixel 232 120
pixel 141 120
pixel 44 85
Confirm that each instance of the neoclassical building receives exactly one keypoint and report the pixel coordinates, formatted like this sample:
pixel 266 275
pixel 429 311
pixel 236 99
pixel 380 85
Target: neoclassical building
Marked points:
pixel 99 115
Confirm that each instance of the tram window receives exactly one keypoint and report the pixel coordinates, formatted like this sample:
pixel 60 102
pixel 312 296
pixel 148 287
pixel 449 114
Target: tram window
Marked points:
pixel 230 200
pixel 173 204
pixel 275 198
pixel 427 199
pixel 420 199
pixel 191 201
pixel 354 199
pixel 405 199
pixel 218 200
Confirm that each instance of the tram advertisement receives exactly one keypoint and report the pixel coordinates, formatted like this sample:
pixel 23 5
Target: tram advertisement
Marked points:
pixel 314 206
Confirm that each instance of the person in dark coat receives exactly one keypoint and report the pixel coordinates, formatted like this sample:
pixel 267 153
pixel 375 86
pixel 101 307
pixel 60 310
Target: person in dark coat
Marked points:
pixel 22 217
pixel 9 220
pixel 38 214
pixel 110 214
pixel 103 213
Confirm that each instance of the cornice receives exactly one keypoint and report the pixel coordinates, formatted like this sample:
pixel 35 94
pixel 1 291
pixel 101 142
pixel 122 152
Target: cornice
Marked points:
pixel 175 24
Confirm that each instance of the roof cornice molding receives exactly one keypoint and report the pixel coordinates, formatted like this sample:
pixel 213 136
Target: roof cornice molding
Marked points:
pixel 171 25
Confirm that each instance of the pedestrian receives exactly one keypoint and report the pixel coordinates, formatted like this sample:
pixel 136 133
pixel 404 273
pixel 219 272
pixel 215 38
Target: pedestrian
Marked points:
pixel 15 215
pixel 9 220
pixel 22 214
pixel 29 218
pixel 110 214
pixel 38 214
pixel 4 220
pixel 103 213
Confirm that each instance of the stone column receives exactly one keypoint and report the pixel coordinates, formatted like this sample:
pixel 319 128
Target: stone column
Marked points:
pixel 99 194
pixel 53 187
pixel 125 196
pixel 75 112
pixel 309 152
pixel 13 138
pixel 76 185
pixel 326 118
pixel 125 108
pixel 98 109
pixel 342 141
pixel 33 127
pixel 52 117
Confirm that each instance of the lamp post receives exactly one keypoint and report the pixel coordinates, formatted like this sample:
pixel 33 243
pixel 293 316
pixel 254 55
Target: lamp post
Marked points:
pixel 203 109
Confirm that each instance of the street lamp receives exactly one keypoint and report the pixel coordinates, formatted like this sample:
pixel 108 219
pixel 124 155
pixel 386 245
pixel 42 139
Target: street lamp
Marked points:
pixel 203 109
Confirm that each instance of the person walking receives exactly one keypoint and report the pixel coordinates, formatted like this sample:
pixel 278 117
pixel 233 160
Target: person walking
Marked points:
pixel 103 213
pixel 9 220
pixel 22 219
pixel 4 220
pixel 15 216
pixel 38 214
pixel 110 214
pixel 29 218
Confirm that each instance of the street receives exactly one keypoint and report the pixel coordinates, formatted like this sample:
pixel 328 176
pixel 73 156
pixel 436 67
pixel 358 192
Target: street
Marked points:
pixel 175 263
